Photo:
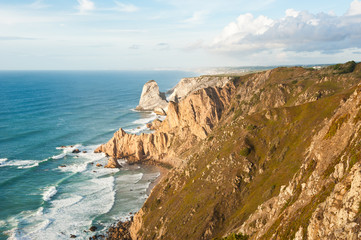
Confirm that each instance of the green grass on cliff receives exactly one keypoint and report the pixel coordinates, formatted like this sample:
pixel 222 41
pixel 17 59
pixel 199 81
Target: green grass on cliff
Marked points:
pixel 247 158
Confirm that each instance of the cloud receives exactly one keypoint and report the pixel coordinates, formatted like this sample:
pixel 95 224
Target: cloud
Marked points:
pixel 38 5
pixel 355 8
pixel 134 47
pixel 123 7
pixel 196 18
pixel 296 31
pixel 85 6
pixel 162 46
pixel 12 38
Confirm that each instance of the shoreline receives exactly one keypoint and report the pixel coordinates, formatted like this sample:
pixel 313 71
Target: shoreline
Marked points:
pixel 120 229
pixel 162 173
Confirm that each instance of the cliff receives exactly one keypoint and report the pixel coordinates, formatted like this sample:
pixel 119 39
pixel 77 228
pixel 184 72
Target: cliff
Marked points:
pixel 271 155
pixel 188 85
pixel 186 123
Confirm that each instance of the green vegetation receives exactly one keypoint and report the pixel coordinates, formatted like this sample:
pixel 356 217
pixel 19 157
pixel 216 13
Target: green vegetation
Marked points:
pixel 218 188
pixel 348 67
pixel 234 236
pixel 245 152
pixel 336 125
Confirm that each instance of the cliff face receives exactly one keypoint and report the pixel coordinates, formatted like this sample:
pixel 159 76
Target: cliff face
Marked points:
pixel 186 123
pixel 189 85
pixel 272 155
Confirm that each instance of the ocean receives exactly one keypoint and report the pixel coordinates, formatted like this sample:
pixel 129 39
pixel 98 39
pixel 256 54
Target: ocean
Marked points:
pixel 48 192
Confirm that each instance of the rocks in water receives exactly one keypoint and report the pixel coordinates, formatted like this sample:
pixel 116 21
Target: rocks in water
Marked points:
pixel 120 231
pixel 93 228
pixel 84 151
pixel 72 236
pixel 76 150
pixel 62 166
pixel 97 237
pixel 99 165
pixel 151 98
pixel 112 163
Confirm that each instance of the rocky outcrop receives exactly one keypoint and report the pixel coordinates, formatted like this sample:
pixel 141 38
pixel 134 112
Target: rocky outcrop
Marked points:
pixel 112 163
pixel 188 85
pixel 186 122
pixel 151 98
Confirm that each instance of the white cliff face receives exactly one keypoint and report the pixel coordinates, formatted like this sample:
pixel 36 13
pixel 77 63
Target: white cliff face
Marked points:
pixel 151 97
pixel 189 85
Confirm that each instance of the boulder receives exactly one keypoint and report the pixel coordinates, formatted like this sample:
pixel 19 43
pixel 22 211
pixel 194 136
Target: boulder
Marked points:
pixel 76 151
pixel 151 97
pixel 112 163
pixel 99 165
pixel 93 228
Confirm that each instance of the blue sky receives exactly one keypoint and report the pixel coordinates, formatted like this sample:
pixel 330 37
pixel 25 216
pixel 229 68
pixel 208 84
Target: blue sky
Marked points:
pixel 172 34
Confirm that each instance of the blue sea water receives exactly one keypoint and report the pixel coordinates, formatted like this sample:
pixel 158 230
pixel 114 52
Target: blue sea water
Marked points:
pixel 48 192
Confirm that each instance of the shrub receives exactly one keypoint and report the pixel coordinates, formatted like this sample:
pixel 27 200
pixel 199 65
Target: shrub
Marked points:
pixel 245 152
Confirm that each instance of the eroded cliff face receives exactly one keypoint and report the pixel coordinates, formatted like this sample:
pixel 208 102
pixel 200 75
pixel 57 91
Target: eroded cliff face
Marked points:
pixel 272 155
pixel 188 85
pixel 186 123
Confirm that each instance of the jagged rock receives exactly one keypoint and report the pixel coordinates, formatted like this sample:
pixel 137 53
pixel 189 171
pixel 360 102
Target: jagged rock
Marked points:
pixel 76 151
pixel 99 165
pixel 159 111
pixel 151 97
pixel 154 125
pixel 188 85
pixel 191 119
pixel 112 163
pixel 93 228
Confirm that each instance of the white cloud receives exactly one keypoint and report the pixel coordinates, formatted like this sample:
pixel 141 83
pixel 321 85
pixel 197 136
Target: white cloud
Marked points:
pixel 122 7
pixel 85 6
pixel 38 4
pixel 292 13
pixel 296 31
pixel 197 17
pixel 245 25
pixel 355 8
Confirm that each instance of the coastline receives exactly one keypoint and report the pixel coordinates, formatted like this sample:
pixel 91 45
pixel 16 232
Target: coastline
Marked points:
pixel 120 230
pixel 162 173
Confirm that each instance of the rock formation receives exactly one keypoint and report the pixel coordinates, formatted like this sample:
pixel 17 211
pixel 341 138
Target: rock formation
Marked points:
pixel 271 155
pixel 186 122
pixel 112 163
pixel 151 97
pixel 188 85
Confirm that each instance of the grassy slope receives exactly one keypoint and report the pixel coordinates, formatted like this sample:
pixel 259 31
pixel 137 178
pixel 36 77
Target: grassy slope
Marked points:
pixel 215 192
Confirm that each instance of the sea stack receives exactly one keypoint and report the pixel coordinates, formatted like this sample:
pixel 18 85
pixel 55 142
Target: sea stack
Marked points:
pixel 151 97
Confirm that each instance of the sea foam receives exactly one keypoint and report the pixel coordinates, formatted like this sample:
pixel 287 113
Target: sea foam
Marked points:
pixel 49 193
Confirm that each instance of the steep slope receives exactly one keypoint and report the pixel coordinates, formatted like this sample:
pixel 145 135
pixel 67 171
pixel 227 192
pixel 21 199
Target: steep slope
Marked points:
pixel 272 155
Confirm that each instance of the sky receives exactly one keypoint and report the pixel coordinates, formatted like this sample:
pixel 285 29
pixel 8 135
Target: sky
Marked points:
pixel 176 34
